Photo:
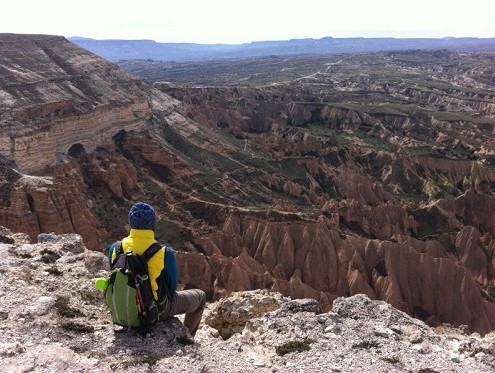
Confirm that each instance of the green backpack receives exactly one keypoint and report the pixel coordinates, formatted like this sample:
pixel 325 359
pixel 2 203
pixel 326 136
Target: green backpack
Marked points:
pixel 129 295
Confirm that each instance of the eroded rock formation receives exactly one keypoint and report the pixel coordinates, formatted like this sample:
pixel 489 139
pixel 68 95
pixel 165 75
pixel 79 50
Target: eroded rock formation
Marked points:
pixel 312 260
pixel 328 185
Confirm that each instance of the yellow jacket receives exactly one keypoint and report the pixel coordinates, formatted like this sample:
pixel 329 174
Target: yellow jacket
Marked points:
pixel 162 267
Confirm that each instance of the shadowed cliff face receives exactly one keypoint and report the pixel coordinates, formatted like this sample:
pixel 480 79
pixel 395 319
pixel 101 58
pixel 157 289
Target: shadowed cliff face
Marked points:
pixel 295 187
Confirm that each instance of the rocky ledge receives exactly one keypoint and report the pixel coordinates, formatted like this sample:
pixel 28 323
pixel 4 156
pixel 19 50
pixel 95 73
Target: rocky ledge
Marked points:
pixel 54 320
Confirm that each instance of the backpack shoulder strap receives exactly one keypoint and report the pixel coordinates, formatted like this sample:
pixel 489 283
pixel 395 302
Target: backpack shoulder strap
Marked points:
pixel 150 251
pixel 118 248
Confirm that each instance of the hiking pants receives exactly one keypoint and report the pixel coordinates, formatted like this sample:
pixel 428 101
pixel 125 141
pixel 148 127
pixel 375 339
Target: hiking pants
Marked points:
pixel 191 302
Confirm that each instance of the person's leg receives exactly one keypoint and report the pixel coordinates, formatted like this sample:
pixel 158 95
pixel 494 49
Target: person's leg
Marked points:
pixel 191 302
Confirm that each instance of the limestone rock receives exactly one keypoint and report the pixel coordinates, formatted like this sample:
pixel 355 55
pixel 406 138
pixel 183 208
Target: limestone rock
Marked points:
pixel 230 315
pixel 41 306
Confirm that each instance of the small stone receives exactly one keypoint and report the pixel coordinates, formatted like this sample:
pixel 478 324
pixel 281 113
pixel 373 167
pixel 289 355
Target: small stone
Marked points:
pixel 75 245
pixel 214 333
pixel 41 306
pixel 396 329
pixel 382 332
pixel 4 315
pixel 15 350
pixel 48 237
pixel 416 339
pixel 322 319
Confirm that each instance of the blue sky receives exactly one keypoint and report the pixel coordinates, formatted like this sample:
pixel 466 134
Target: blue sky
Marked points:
pixel 233 22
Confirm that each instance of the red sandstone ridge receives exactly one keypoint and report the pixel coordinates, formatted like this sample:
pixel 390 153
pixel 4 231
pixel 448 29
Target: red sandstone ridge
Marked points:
pixel 322 185
pixel 40 204
pixel 311 259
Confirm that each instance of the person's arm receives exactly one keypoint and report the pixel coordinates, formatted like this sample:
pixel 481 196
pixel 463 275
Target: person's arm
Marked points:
pixel 111 249
pixel 171 270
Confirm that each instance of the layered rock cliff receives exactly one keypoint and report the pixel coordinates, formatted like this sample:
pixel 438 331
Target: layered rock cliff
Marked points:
pixel 56 95
pixel 59 102
pixel 323 185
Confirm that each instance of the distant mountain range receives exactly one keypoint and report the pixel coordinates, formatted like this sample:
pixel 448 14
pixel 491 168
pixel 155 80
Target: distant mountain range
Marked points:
pixel 118 50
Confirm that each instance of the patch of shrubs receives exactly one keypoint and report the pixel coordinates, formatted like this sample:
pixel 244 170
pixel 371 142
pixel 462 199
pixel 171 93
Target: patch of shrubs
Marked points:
pixel 49 256
pixel 53 270
pixel 391 359
pixel 366 345
pixel 150 360
pixel 65 310
pixel 294 346
pixel 77 327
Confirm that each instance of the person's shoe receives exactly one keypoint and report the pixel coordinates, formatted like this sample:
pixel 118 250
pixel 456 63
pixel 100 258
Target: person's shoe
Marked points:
pixel 185 339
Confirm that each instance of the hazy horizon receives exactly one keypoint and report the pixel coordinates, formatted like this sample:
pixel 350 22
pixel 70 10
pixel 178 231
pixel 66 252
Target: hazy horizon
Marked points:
pixel 280 40
pixel 223 22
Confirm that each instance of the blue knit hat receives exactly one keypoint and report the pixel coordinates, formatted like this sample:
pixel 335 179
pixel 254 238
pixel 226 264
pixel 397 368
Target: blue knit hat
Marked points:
pixel 142 216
